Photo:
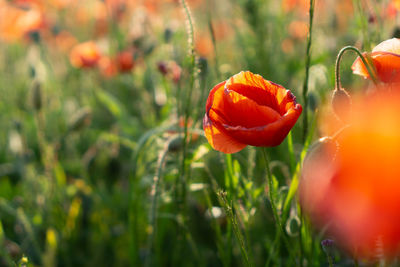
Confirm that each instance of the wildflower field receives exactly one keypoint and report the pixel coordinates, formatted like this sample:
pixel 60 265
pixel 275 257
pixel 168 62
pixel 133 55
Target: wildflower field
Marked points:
pixel 199 133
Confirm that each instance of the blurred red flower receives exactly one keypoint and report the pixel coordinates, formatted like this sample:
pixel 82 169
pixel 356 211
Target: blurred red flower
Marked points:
pixel 125 61
pixel 245 110
pixel 85 55
pixel 386 60
pixel 170 69
pixel 350 184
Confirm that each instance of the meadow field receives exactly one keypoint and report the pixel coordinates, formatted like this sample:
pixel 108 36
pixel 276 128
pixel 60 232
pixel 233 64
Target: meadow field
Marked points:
pixel 199 133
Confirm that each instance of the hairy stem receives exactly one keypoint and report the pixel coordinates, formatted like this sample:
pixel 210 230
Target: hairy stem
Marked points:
pixel 308 61
pixel 371 70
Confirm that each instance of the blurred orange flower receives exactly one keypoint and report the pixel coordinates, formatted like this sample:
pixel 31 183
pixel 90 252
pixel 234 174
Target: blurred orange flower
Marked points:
pixel 350 184
pixel 85 55
pixel 396 4
pixel 107 67
pixel 386 60
pixel 298 5
pixel 204 45
pixel 64 41
pixel 298 29
pixel 17 23
pixel 245 110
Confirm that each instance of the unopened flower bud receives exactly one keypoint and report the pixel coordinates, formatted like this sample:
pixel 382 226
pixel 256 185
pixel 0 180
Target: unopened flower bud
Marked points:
pixel 162 67
pixel 341 104
pixel 327 243
pixel 36 95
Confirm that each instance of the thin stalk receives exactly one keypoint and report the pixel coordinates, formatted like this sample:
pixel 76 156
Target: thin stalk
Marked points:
pixel 188 99
pixel 308 62
pixel 371 70
pixel 217 229
pixel 275 246
pixel 292 159
pixel 186 108
pixel 228 209
pixel 153 210
pixel 330 261
pixel 272 197
pixel 364 24
pixel 214 42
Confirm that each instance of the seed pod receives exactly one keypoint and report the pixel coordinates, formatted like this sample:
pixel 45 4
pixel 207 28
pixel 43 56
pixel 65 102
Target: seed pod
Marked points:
pixel 36 95
pixel 341 104
pixel 80 119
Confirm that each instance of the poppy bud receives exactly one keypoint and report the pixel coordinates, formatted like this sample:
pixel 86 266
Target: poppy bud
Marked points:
pixel 341 104
pixel 327 244
pixel 168 35
pixel 80 119
pixel 396 32
pixel 36 95
pixel 162 67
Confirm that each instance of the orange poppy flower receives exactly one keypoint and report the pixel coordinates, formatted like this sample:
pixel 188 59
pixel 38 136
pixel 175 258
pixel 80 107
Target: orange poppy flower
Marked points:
pixel 125 61
pixel 85 55
pixel 245 110
pixel 18 22
pixel 350 185
pixel 386 60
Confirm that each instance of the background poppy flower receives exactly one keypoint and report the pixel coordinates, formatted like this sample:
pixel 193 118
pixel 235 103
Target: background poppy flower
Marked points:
pixel 386 60
pixel 125 61
pixel 350 186
pixel 85 55
pixel 245 110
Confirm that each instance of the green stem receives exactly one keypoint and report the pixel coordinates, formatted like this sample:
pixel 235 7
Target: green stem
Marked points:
pixel 229 211
pixel 153 210
pixel 292 159
pixel 188 98
pixel 308 61
pixel 271 189
pixel 371 70
pixel 272 197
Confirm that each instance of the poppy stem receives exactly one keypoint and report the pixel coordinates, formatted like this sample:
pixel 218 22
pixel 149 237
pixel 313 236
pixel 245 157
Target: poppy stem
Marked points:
pixel 308 63
pixel 272 197
pixel 236 229
pixel 365 60
pixel 155 191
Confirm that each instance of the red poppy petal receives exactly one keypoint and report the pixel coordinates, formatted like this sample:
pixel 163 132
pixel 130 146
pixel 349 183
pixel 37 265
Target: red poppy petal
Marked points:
pixel 262 91
pixel 269 135
pixel 387 66
pixel 234 109
pixel 210 98
pixel 219 140
pixel 359 68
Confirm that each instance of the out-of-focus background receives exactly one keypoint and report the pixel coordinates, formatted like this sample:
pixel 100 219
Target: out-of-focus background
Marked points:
pixel 95 97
